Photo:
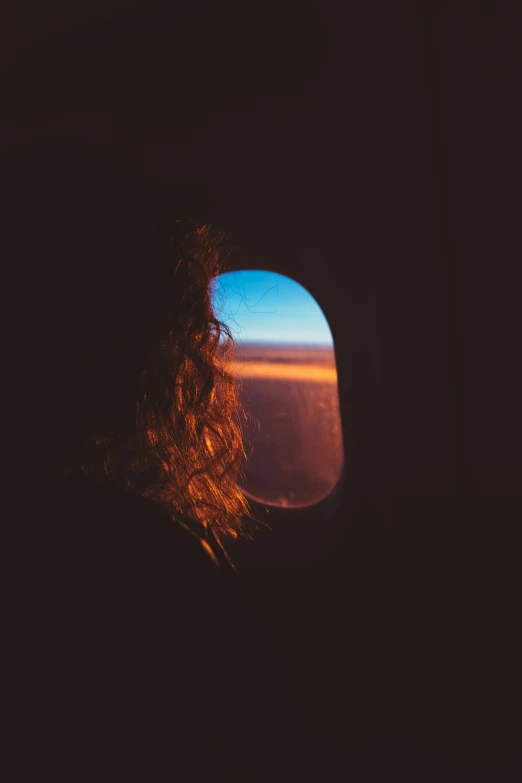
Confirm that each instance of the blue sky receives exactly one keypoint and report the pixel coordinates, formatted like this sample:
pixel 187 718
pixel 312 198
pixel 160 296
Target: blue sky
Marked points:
pixel 267 307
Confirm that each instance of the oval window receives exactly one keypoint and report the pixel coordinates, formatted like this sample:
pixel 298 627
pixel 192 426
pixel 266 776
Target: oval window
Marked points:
pixel 285 361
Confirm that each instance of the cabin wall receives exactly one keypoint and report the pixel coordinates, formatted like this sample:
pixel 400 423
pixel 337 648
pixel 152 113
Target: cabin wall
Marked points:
pixel 478 65
pixel 399 620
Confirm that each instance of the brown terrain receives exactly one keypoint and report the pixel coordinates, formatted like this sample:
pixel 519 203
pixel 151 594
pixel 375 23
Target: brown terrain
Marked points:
pixel 295 453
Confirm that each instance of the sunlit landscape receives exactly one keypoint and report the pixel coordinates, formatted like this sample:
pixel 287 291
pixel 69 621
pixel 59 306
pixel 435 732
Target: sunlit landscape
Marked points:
pixel 312 363
pixel 295 453
pixel 285 363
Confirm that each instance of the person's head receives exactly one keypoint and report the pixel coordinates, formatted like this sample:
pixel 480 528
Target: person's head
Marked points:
pixel 115 364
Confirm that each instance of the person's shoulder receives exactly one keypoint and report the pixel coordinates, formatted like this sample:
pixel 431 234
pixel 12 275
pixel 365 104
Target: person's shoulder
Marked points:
pixel 119 527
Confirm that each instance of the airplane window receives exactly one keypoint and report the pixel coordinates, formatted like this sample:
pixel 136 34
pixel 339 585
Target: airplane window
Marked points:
pixel 286 365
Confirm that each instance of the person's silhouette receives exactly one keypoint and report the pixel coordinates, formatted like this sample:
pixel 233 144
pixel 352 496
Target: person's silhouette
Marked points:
pixel 134 645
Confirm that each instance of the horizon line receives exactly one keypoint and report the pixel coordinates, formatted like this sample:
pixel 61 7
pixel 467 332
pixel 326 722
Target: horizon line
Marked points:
pixel 285 342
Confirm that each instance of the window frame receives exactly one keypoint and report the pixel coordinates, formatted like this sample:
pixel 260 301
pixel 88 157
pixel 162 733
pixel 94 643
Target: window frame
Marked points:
pixel 286 518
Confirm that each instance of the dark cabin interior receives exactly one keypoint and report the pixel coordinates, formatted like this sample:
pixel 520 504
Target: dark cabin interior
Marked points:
pixel 369 151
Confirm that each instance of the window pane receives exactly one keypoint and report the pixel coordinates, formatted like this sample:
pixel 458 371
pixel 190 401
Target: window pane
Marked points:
pixel 285 360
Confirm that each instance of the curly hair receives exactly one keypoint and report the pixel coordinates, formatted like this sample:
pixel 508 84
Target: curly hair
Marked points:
pixel 117 316
pixel 183 446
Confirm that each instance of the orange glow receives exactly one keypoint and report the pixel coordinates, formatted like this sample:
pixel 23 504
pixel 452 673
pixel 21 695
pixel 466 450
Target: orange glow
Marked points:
pixel 298 372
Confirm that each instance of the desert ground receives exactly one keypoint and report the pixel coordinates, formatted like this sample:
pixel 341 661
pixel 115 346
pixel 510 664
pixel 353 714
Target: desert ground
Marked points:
pixel 295 450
